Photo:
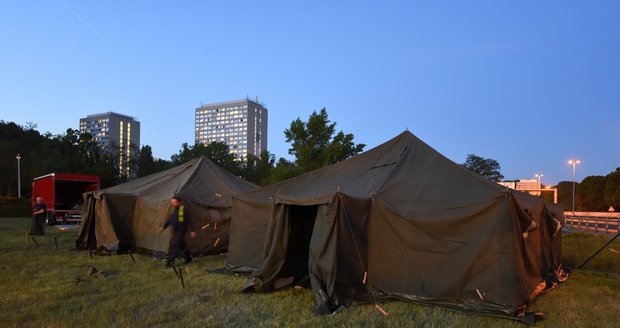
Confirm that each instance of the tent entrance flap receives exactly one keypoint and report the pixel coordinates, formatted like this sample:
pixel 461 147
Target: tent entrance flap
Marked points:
pixel 352 250
pixel 301 224
pixel 338 251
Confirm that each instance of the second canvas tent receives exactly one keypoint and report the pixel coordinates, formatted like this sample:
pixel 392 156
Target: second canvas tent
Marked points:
pixel 126 217
pixel 398 221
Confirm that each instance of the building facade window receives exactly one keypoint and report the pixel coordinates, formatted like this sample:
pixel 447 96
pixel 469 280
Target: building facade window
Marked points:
pixel 111 128
pixel 239 124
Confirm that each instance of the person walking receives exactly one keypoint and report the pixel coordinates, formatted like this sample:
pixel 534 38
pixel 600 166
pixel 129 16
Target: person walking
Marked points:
pixel 181 223
pixel 39 213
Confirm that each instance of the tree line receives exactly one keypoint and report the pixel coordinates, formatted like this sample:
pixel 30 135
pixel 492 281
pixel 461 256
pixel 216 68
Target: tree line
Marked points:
pixel 593 194
pixel 314 143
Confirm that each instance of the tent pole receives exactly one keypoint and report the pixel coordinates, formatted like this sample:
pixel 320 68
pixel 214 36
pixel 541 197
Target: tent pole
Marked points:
pixel 359 257
pixel 181 276
pixel 602 248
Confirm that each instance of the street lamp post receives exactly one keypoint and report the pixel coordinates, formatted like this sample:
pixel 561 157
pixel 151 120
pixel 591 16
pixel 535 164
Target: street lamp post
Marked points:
pixel 538 179
pixel 574 163
pixel 19 178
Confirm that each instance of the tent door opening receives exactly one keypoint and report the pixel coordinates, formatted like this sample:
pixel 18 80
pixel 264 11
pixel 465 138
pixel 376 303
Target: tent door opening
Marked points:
pixel 295 268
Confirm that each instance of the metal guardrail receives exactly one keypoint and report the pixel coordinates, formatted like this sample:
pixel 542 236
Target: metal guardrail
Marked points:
pixel 593 221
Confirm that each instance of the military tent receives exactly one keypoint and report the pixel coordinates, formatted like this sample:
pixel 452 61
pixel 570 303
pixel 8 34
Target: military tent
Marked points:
pixel 399 221
pixel 125 218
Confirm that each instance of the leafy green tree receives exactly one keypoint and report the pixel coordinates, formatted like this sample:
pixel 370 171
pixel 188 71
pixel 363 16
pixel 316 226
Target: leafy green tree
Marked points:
pixel 486 167
pixel 146 161
pixel 548 196
pixel 147 164
pixel 565 194
pixel 217 152
pixel 258 169
pixel 590 193
pixel 89 150
pixel 220 154
pixel 611 191
pixel 107 168
pixel 314 144
pixel 15 139
pixel 186 154
pixel 70 150
pixel 43 154
pixel 284 170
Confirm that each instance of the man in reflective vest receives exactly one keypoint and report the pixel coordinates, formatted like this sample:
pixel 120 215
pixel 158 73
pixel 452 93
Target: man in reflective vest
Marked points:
pixel 181 223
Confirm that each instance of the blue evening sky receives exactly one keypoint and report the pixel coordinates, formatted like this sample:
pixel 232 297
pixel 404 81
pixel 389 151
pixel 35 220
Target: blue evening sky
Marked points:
pixel 528 83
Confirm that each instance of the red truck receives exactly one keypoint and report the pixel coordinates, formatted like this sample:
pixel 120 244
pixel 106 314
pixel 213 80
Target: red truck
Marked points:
pixel 62 194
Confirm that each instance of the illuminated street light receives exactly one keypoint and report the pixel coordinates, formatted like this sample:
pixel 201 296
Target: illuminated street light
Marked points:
pixel 574 163
pixel 538 178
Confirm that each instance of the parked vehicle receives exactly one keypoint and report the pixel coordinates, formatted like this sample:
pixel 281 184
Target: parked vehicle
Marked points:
pixel 62 194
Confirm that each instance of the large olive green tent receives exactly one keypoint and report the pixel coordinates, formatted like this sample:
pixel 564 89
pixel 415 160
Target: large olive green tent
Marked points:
pixel 398 221
pixel 126 217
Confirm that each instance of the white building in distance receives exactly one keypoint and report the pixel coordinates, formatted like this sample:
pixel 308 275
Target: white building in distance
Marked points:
pixel 241 124
pixel 114 130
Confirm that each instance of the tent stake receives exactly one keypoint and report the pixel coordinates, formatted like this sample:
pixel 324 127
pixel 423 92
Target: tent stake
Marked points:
pixel 381 310
pixel 480 294
pixel 181 276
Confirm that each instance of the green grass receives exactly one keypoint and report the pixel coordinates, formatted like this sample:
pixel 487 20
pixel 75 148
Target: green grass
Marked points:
pixel 39 288
pixel 579 246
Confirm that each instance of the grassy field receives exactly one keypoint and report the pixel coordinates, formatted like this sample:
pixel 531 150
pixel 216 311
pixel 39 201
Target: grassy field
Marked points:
pixel 43 287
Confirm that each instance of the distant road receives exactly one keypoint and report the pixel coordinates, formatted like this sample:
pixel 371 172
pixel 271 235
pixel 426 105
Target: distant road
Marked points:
pixel 603 222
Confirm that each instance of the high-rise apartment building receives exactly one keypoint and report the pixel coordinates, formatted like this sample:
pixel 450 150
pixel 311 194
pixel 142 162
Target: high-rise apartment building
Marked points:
pixel 241 124
pixel 114 130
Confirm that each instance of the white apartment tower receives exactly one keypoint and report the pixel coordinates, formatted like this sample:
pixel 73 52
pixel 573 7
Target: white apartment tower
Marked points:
pixel 114 130
pixel 241 124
